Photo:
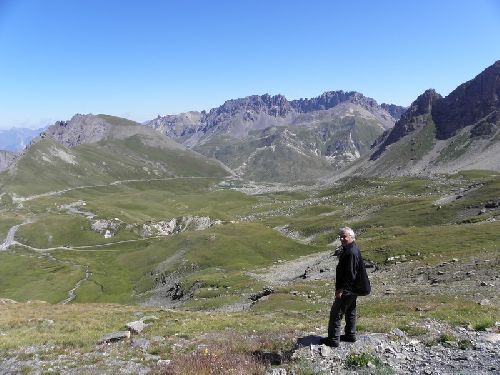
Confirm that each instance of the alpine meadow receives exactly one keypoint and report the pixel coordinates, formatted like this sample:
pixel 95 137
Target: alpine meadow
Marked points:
pixel 202 243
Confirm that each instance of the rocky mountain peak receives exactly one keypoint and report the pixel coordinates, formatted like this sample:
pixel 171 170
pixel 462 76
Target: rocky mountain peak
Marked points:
pixel 330 99
pixel 469 102
pixel 177 126
pixel 422 105
pixel 80 129
pixel 276 105
pixel 408 122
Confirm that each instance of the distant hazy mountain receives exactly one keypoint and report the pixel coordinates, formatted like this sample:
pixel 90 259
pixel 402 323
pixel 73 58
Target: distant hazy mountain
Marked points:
pixel 273 139
pixel 16 139
pixel 436 134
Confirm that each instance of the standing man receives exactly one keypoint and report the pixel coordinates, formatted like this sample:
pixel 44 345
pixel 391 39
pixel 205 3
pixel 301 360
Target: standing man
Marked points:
pixel 349 282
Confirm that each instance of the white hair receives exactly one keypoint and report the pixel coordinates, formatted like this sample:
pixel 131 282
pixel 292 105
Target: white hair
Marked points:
pixel 349 231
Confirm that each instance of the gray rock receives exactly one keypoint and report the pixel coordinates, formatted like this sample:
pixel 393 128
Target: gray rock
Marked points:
pixel 398 332
pixel 116 336
pixel 163 362
pixel 140 343
pixel 136 326
pixel 276 371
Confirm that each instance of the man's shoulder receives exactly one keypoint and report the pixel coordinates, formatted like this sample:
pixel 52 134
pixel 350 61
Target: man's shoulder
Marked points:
pixel 353 249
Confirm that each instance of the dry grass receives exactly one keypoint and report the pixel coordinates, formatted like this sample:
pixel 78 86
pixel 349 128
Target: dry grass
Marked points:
pixel 211 361
pixel 77 325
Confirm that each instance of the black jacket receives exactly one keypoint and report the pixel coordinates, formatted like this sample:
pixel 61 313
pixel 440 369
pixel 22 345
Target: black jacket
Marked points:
pixel 347 268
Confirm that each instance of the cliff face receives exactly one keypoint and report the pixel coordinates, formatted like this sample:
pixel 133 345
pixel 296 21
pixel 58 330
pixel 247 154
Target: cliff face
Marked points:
pixel 469 103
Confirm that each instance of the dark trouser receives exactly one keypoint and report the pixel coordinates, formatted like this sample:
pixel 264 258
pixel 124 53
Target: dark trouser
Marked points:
pixel 344 305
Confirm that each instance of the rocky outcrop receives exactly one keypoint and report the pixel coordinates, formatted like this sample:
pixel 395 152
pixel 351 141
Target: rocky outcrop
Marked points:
pixel 178 126
pixel 469 103
pixel 412 119
pixel 177 225
pixel 107 228
pixel 80 129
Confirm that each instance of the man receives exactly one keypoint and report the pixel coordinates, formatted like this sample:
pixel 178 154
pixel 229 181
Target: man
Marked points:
pixel 346 285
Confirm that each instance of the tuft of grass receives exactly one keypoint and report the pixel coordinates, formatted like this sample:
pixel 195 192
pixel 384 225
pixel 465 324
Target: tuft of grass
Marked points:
pixel 446 337
pixel 412 330
pixel 361 360
pixel 483 324
pixel 465 344
pixel 305 367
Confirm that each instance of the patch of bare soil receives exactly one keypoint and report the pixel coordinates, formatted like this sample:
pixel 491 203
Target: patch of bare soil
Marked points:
pixel 315 266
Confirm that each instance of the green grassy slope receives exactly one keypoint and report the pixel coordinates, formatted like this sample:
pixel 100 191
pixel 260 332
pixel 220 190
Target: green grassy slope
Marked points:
pixel 392 217
pixel 100 163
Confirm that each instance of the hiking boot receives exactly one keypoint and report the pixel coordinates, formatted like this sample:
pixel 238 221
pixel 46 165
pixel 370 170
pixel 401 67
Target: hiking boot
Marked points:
pixel 347 338
pixel 329 342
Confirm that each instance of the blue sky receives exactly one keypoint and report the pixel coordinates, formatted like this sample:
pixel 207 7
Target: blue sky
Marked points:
pixel 138 59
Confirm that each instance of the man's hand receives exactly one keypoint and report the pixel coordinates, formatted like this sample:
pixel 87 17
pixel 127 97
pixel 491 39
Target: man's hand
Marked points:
pixel 338 293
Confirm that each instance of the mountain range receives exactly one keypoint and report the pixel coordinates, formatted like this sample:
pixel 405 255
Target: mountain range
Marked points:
pixel 269 138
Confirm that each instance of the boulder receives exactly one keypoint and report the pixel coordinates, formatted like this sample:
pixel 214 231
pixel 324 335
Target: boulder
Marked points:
pixel 136 326
pixel 113 337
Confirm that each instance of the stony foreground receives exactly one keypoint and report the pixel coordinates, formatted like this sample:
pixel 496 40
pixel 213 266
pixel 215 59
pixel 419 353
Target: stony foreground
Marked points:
pixel 442 350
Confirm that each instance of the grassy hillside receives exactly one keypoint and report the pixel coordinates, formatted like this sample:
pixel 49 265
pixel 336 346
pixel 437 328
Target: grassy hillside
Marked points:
pixel 392 216
pixel 100 164
pixel 434 243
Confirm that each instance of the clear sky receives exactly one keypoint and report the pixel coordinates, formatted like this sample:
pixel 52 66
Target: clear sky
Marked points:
pixel 138 59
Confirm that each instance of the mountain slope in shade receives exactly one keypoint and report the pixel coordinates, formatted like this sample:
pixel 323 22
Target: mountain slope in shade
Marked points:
pixel 471 102
pixel 441 135
pixel 94 150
